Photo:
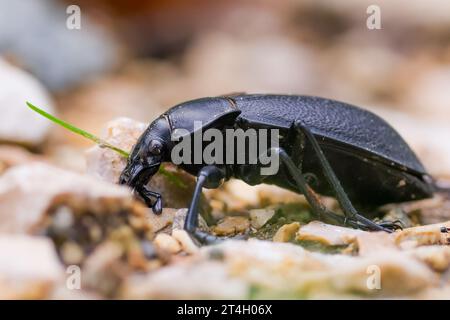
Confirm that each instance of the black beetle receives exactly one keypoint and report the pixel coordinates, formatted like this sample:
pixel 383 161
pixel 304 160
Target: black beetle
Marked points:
pixel 352 154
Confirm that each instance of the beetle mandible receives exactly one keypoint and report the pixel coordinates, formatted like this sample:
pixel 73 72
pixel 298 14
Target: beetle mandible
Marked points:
pixel 353 154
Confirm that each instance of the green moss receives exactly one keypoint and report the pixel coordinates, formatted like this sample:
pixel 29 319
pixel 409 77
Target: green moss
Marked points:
pixel 316 246
pixel 294 212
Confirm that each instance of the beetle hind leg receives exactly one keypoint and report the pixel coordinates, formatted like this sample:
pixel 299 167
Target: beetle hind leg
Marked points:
pixel 352 217
pixel 356 220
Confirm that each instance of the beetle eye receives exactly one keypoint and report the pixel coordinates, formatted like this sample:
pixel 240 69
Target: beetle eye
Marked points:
pixel 155 147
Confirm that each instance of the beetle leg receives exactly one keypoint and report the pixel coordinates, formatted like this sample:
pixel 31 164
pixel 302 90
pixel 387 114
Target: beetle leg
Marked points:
pixel 313 199
pixel 392 225
pixel 212 176
pixel 349 210
pixel 147 194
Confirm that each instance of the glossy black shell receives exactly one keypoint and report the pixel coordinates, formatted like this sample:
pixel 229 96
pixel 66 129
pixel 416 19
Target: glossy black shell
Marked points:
pixel 210 111
pixel 372 161
pixel 352 127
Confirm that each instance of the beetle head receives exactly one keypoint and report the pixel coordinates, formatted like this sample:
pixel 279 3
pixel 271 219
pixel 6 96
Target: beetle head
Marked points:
pixel 151 149
pixel 155 144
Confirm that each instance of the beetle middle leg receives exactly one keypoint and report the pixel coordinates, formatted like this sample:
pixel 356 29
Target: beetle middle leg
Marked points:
pixel 313 199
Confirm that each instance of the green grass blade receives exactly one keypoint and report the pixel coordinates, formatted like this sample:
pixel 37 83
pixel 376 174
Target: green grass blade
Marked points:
pixel 68 126
pixel 172 178
pixel 102 143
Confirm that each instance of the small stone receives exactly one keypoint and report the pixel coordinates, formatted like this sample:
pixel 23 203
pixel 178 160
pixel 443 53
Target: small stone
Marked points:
pixel 28 191
pixel 29 267
pixel 287 232
pixel 187 245
pixel 167 243
pixel 231 226
pixel 327 234
pixel 259 217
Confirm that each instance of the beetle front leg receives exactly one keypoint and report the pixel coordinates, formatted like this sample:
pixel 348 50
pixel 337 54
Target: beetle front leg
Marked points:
pixel 146 195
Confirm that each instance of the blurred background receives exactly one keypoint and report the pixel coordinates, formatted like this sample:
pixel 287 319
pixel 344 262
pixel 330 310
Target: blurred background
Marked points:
pixel 137 58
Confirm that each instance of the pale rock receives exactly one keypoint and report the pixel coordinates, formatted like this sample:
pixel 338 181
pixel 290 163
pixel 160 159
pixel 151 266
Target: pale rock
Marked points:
pixel 286 232
pixel 422 236
pixel 186 280
pixel 327 234
pixel 186 242
pixel 106 164
pixel 372 242
pixel 284 267
pixel 259 217
pixel 29 267
pixel 167 243
pixel 436 256
pixel 239 196
pixel 28 191
pixel 18 123
pixel 231 225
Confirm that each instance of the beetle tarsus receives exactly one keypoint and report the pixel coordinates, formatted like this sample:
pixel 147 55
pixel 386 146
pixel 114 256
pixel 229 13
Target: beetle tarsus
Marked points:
pixel 392 225
pixel 370 225
pixel 363 223
pixel 204 238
